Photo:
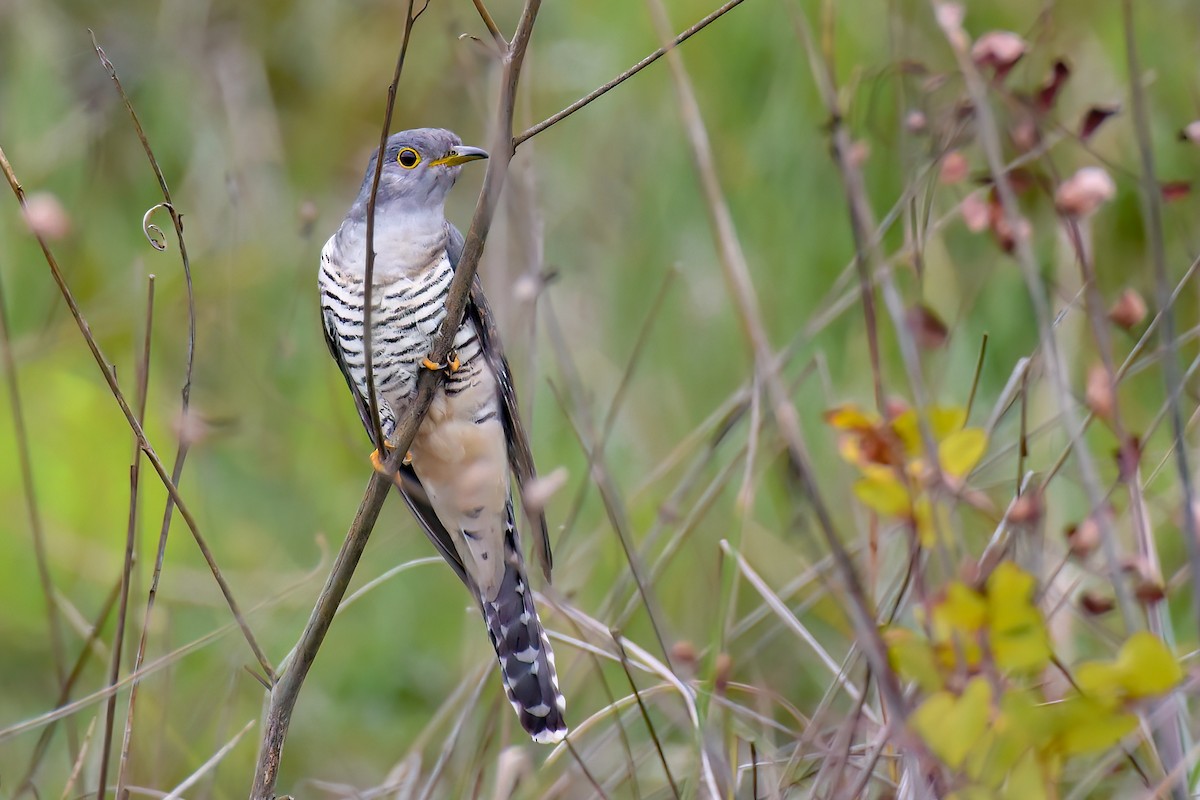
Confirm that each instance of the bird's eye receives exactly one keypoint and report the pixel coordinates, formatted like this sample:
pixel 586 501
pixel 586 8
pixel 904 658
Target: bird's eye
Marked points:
pixel 408 158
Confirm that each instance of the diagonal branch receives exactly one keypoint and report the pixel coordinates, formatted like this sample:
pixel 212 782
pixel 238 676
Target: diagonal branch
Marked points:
pixel 627 74
pixel 287 690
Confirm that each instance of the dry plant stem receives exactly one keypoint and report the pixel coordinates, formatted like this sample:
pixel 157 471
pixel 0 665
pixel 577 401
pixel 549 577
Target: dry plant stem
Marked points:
pixel 185 393
pixel 737 276
pixel 451 740
pixel 369 277
pixel 1152 213
pixel 618 518
pixel 989 137
pixel 64 695
pixel 614 406
pixel 118 646
pixel 588 773
pixel 21 439
pixel 616 637
pixel 79 760
pixel 1175 735
pixel 111 379
pixel 162 662
pixel 210 764
pixel 866 246
pixel 627 74
pixel 287 689
pixel 490 24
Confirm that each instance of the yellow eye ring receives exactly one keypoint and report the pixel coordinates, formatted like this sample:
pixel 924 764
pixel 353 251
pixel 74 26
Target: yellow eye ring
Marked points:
pixel 408 158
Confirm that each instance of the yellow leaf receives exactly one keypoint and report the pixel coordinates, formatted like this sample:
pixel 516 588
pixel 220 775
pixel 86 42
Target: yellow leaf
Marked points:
pixel 959 452
pixel 850 417
pixel 931 521
pixel 1016 630
pixel 1026 780
pixel 1089 727
pixel 971 793
pixel 952 725
pixel 913 658
pixel 1101 681
pixel 908 432
pixel 943 421
pixel 964 611
pixel 881 491
pixel 1146 667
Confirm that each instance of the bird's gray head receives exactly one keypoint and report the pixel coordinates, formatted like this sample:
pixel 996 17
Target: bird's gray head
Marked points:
pixel 419 167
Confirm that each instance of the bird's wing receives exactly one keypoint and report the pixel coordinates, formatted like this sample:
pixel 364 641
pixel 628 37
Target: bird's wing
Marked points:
pixel 520 454
pixel 407 482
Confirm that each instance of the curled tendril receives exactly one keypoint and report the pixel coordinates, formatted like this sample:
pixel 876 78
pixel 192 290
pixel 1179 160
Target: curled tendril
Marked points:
pixel 152 232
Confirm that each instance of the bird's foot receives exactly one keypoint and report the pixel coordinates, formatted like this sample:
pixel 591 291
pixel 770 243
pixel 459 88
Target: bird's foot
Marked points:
pixel 452 363
pixel 377 461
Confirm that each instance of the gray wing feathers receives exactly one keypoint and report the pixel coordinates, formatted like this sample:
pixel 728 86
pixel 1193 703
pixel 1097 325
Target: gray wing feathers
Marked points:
pixel 520 454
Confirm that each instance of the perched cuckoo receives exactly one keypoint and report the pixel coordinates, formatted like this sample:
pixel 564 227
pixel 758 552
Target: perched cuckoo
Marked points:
pixel 455 476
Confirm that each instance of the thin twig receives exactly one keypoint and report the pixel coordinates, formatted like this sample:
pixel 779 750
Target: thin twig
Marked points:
pixel 287 690
pixel 490 24
pixel 64 695
pixel 626 75
pixel 1172 733
pixel 135 471
pixel 1152 214
pixel 410 19
pixel 616 637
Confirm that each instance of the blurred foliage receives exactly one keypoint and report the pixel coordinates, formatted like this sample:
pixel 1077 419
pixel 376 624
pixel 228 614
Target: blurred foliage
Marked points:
pixel 262 116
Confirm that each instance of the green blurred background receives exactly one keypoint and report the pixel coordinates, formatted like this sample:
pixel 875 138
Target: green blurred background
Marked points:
pixel 262 116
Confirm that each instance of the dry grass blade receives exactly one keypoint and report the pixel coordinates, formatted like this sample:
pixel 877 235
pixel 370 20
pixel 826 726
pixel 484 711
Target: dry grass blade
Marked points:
pixel 209 765
pixel 662 758
pixel 79 760
pixel 784 613
pixel 1152 212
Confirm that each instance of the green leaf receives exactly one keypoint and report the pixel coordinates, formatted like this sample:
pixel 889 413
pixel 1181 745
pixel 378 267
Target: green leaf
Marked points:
pixel 1026 781
pixel 1146 666
pixel 881 491
pixel 913 658
pixel 1086 726
pixel 1016 629
pixel 952 725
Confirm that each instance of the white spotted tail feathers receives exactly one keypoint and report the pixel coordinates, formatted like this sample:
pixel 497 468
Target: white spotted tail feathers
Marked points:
pixel 526 660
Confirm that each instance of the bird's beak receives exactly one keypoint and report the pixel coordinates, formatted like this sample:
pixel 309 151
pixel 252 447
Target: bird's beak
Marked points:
pixel 459 155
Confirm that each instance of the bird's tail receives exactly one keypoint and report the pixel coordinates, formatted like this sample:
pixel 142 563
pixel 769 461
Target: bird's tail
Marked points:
pixel 526 660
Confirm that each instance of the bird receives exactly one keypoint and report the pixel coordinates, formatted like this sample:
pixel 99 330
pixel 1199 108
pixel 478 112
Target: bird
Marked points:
pixel 456 475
